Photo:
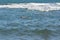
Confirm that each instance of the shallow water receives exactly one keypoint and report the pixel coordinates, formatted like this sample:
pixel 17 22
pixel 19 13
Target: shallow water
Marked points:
pixel 24 24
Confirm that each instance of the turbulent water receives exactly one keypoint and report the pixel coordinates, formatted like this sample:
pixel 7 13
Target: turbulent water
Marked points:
pixel 34 6
pixel 29 21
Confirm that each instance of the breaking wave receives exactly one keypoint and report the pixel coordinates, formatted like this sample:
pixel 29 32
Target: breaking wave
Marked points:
pixel 34 6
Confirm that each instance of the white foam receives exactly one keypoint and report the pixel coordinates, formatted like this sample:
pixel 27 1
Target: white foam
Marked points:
pixel 34 6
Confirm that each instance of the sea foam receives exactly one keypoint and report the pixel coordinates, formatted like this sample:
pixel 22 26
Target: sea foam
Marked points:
pixel 34 6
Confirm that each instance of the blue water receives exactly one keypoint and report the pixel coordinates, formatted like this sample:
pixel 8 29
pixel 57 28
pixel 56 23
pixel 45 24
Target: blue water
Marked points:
pixel 28 1
pixel 24 24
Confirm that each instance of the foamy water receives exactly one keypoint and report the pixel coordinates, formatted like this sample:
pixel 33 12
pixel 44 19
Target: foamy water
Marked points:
pixel 34 6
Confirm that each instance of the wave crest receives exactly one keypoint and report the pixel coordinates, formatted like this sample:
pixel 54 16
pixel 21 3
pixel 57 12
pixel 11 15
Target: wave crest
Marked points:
pixel 34 6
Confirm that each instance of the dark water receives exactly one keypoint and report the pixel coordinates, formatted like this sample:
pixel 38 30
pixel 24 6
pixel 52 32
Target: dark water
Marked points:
pixel 23 24
pixel 28 1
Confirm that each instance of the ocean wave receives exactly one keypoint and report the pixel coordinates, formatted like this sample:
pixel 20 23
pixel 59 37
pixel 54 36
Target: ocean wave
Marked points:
pixel 34 6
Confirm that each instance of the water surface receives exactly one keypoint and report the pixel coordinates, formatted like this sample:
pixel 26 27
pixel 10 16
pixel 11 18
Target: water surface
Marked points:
pixel 24 24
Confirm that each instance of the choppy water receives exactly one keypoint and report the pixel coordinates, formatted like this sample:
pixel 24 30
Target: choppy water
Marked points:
pixel 24 24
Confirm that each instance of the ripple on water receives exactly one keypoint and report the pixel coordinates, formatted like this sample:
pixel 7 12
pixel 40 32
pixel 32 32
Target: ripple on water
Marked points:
pixel 23 24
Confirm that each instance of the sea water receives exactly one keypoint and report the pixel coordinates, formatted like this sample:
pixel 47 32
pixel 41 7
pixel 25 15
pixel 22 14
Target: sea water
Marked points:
pixel 25 24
